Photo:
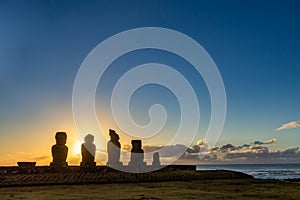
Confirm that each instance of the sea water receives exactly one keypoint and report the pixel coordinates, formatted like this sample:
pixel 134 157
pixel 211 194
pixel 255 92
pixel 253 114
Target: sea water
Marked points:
pixel 260 171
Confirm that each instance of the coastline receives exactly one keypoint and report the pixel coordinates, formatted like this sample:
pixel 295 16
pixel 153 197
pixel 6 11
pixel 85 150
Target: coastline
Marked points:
pixel 278 171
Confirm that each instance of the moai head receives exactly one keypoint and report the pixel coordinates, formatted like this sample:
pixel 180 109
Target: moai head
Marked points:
pixel 89 138
pixel 61 138
pixel 113 135
pixel 136 144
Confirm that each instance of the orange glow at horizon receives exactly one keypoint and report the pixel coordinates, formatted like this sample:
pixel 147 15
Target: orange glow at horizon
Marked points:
pixel 38 136
pixel 77 148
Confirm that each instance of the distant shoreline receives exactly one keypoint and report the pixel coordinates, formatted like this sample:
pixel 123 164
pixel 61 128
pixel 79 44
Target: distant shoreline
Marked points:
pixel 283 171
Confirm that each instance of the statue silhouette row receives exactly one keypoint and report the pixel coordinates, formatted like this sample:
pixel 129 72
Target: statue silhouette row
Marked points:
pixel 88 151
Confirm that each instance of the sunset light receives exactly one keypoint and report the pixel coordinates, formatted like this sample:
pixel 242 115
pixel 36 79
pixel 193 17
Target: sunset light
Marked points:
pixel 77 148
pixel 150 99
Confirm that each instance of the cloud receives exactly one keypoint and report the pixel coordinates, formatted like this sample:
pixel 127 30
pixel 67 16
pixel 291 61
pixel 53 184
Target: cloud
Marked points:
pixel 126 147
pixel 289 125
pixel 256 152
pixel 273 141
pixel 201 146
pixel 200 153
pixel 291 151
pixel 42 158
pixel 228 147
pixel 167 151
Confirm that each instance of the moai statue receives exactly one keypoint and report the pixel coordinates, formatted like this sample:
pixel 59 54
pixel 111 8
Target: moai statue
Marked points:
pixel 88 151
pixel 113 149
pixel 156 161
pixel 60 151
pixel 137 154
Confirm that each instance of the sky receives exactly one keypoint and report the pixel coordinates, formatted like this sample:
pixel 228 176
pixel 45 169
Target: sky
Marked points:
pixel 255 45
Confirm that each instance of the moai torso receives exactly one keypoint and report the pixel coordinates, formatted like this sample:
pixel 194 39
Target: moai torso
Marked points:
pixel 113 149
pixel 60 150
pixel 59 153
pixel 88 149
pixel 155 161
pixel 137 153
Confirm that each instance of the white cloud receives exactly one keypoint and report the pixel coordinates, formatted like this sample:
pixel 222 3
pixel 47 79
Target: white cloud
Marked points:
pixel 256 152
pixel 289 125
pixel 273 141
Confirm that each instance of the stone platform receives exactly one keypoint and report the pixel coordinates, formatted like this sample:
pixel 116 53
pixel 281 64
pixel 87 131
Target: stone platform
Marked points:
pixel 74 175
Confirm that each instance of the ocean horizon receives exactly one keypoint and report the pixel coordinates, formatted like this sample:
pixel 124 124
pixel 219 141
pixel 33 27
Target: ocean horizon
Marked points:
pixel 259 171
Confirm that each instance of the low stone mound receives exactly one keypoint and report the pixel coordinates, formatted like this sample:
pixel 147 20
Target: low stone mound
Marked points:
pixel 111 176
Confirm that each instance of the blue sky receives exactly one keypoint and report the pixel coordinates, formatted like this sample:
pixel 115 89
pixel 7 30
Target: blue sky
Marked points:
pixel 255 45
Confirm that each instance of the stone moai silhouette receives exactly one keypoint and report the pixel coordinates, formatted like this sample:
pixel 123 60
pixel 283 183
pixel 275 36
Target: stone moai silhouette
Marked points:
pixel 60 150
pixel 113 149
pixel 155 160
pixel 137 154
pixel 88 151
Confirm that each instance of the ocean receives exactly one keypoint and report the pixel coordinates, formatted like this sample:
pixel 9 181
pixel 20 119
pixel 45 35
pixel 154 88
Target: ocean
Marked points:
pixel 260 171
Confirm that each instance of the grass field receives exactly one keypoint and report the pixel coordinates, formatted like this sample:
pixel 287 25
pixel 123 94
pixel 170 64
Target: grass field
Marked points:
pixel 200 189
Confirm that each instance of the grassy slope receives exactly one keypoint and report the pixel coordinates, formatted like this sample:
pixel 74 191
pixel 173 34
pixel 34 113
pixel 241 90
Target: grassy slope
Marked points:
pixel 201 189
pixel 118 185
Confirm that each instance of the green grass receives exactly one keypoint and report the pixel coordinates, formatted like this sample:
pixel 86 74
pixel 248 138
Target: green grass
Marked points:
pixel 202 189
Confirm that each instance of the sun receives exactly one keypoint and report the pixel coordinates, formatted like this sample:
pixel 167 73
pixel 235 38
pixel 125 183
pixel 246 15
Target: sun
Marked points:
pixel 77 148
